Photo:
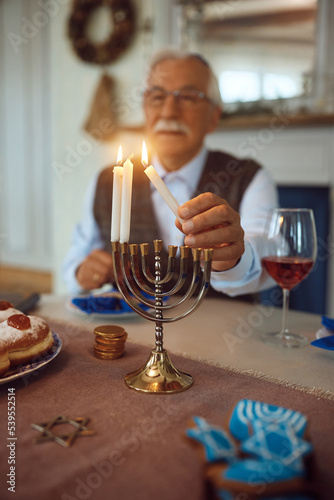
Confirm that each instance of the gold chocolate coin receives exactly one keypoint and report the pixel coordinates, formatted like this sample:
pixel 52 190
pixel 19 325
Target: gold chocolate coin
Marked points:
pixel 112 330
pixel 102 355
pixel 109 341
pixel 108 348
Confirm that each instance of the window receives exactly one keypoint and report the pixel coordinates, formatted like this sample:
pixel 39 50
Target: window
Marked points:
pixel 248 86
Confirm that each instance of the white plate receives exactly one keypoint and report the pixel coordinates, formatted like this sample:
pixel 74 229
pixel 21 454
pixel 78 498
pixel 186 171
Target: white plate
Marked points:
pixel 21 371
pixel 323 332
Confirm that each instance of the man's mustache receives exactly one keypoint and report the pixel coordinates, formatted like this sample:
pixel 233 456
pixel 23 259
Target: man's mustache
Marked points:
pixel 171 126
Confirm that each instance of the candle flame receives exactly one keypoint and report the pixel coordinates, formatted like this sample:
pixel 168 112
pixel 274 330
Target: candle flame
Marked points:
pixel 119 156
pixel 144 157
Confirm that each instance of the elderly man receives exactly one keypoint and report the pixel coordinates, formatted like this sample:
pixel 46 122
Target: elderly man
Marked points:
pixel 224 200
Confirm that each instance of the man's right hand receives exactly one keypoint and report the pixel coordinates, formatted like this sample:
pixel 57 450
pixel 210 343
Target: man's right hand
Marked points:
pixel 95 270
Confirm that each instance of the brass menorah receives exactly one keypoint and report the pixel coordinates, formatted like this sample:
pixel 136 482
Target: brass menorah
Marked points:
pixel 134 281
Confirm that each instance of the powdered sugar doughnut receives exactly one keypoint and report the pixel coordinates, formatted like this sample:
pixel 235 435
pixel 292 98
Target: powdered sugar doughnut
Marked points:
pixel 24 337
pixel 4 360
pixel 7 309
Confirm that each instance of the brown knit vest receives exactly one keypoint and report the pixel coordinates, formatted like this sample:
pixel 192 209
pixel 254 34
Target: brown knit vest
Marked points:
pixel 223 175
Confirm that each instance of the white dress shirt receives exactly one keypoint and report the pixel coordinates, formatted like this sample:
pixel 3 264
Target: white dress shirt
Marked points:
pixel 259 198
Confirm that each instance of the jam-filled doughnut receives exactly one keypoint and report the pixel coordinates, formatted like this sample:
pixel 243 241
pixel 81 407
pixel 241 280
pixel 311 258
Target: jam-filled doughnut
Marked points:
pixel 4 359
pixel 7 309
pixel 22 338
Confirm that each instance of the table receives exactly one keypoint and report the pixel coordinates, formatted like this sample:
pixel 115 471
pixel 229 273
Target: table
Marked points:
pixel 227 332
pixel 139 446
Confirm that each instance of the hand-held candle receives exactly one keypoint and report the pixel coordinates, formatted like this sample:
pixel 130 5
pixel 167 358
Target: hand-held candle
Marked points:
pixel 126 201
pixel 159 184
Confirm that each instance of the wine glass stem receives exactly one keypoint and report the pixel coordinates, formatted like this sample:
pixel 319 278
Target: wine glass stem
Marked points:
pixel 285 330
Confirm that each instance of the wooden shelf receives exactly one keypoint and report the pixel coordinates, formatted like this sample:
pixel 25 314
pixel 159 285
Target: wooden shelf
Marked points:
pixel 273 120
pixel 22 280
pixel 244 122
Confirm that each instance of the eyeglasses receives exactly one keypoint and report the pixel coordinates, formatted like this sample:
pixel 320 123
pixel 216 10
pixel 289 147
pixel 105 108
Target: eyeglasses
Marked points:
pixel 187 98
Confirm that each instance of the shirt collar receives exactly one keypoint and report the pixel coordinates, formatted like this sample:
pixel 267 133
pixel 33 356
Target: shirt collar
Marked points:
pixel 190 173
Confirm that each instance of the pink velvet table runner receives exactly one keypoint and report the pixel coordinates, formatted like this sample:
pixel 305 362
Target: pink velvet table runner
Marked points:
pixel 138 451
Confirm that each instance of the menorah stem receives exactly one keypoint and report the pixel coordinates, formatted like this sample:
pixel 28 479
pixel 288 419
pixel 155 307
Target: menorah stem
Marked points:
pixel 158 301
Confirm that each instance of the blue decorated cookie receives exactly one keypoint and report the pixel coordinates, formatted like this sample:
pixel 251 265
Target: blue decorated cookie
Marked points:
pixel 277 441
pixel 214 442
pixel 227 495
pixel 246 412
pixel 256 478
pixel 261 454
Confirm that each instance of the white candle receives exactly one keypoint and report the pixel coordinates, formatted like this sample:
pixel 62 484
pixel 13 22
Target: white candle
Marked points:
pixel 116 203
pixel 159 184
pixel 126 201
pixel 117 198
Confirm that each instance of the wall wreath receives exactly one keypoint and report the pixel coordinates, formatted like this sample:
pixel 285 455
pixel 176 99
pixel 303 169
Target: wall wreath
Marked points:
pixel 123 19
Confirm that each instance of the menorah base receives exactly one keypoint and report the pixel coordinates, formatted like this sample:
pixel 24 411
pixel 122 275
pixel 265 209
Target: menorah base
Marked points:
pixel 158 375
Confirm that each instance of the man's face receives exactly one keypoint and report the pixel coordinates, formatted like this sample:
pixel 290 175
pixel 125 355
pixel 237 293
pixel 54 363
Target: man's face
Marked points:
pixel 176 129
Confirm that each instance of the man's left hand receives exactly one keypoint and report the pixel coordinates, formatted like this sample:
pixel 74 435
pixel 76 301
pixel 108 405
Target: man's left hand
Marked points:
pixel 210 222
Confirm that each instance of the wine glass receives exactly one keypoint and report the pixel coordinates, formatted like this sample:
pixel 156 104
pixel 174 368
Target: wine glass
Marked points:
pixel 291 249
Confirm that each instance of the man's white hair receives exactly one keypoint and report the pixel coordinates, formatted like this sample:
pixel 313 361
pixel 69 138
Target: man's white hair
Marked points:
pixel 213 91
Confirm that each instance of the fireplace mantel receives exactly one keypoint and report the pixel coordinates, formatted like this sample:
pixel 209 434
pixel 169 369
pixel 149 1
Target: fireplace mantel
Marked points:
pixel 253 121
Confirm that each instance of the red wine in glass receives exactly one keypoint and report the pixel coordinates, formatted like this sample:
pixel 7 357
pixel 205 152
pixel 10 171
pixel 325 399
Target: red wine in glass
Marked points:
pixel 287 271
pixel 290 252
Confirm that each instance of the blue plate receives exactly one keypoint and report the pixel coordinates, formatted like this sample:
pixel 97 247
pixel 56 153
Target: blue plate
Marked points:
pixel 325 343
pixel 327 323
pixel 21 371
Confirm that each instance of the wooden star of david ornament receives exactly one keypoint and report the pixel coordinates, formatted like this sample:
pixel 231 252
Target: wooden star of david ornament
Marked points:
pixel 64 439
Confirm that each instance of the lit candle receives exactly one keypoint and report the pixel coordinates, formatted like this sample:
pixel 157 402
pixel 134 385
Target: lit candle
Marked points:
pixel 126 201
pixel 117 198
pixel 159 184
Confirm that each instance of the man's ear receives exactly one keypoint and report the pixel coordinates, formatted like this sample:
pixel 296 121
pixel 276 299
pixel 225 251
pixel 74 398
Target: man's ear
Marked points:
pixel 215 117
